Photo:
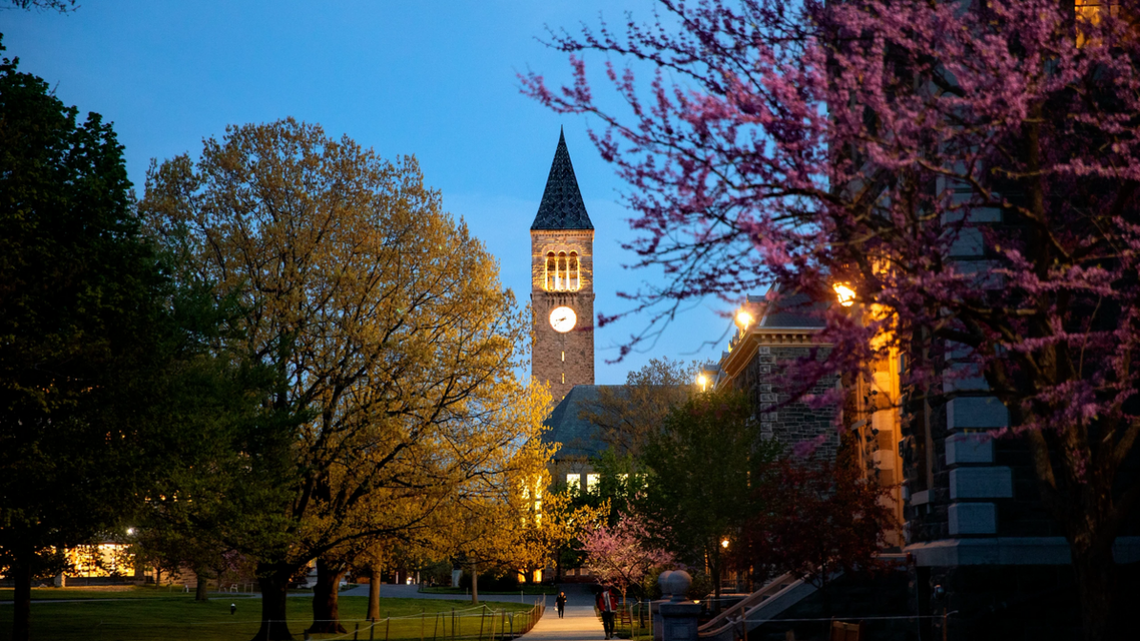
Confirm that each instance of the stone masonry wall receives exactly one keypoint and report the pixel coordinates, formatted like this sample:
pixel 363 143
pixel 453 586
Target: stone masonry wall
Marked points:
pixel 764 380
pixel 563 360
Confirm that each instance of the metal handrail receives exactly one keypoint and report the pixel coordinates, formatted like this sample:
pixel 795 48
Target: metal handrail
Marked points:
pixel 773 587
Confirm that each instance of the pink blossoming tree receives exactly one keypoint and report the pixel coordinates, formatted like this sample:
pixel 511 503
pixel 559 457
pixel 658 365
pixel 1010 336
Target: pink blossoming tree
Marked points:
pixel 618 555
pixel 969 169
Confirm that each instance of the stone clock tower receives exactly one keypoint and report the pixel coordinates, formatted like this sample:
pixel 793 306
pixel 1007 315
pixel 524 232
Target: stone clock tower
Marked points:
pixel 562 282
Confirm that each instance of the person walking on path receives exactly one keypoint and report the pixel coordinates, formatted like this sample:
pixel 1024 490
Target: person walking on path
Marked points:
pixel 607 606
pixel 560 601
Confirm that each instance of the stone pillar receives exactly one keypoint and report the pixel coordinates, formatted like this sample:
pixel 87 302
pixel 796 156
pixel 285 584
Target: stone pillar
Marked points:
pixel 675 617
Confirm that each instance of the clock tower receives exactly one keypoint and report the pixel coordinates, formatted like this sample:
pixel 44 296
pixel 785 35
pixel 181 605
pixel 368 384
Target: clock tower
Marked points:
pixel 562 282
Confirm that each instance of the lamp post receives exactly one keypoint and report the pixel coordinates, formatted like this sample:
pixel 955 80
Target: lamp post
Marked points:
pixel 844 294
pixel 743 319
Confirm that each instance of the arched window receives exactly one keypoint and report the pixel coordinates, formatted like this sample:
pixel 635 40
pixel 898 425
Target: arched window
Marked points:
pixel 562 283
pixel 574 278
pixel 550 272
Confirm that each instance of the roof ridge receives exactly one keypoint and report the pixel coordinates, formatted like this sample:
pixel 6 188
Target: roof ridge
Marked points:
pixel 562 206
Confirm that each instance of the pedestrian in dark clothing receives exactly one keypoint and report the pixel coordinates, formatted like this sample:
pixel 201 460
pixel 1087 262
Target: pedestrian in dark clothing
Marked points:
pixel 560 601
pixel 607 605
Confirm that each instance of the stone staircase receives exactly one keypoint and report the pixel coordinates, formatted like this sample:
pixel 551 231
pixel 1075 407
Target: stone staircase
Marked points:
pixel 759 607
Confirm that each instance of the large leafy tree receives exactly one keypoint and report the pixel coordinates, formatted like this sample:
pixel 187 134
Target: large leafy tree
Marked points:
pixel 627 415
pixel 384 319
pixel 968 168
pixel 97 338
pixel 819 518
pixel 706 477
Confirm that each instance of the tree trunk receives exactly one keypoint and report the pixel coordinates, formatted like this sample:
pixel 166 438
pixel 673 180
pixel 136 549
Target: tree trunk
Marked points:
pixel 22 614
pixel 475 584
pixel 1095 571
pixel 326 609
pixel 201 593
pixel 274 582
pixel 715 563
pixel 374 594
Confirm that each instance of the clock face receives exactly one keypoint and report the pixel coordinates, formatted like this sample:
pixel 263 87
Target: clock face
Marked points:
pixel 562 319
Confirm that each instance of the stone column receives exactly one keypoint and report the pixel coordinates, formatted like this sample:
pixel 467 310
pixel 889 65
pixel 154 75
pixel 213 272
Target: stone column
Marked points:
pixel 675 616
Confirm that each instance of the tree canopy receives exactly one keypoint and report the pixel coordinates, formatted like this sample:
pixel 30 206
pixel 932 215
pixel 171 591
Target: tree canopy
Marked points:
pixel 628 415
pixel 98 340
pixel 384 319
pixel 967 170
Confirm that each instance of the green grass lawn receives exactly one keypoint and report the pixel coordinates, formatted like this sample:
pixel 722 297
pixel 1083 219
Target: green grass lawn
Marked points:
pixel 178 618
pixel 102 592
pixel 525 589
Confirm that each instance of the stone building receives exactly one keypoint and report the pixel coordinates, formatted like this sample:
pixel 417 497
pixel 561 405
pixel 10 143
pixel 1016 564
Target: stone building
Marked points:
pixel 755 363
pixel 978 540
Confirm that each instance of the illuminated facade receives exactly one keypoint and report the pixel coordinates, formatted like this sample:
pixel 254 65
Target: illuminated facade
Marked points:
pixel 562 283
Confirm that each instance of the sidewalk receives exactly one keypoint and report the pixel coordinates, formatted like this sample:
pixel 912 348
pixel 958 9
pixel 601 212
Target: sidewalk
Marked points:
pixel 579 624
pixel 402 591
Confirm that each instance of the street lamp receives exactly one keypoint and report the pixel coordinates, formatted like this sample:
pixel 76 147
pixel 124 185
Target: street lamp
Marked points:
pixel 724 543
pixel 845 294
pixel 703 381
pixel 743 319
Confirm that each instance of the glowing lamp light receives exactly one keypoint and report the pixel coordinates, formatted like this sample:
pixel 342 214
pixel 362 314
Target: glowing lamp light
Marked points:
pixel 703 381
pixel 845 294
pixel 130 531
pixel 743 319
pixel 724 544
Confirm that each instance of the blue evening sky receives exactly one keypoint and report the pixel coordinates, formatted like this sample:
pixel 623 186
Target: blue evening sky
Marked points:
pixel 432 78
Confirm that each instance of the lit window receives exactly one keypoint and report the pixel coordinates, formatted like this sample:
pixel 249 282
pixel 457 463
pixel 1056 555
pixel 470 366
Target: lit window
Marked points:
pixel 591 482
pixel 574 481
pixel 563 272
pixel 574 280
pixel 1090 12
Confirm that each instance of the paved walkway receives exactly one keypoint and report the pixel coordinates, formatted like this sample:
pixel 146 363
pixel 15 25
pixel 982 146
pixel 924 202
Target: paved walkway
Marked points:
pixel 401 591
pixel 579 624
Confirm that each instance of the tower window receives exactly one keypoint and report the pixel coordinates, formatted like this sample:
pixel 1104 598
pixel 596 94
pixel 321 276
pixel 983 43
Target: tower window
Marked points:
pixel 563 378
pixel 563 357
pixel 563 272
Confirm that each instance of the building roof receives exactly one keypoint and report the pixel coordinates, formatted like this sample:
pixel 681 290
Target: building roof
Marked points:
pixel 562 206
pixel 579 438
pixel 792 311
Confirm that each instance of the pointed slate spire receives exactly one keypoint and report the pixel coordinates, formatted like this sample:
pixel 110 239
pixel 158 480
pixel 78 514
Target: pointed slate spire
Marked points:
pixel 562 206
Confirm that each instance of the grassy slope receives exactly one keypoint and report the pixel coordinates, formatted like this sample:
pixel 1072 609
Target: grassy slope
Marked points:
pixel 182 619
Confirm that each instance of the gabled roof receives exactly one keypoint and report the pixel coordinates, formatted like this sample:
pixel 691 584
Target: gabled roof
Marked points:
pixel 794 311
pixel 562 206
pixel 579 438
